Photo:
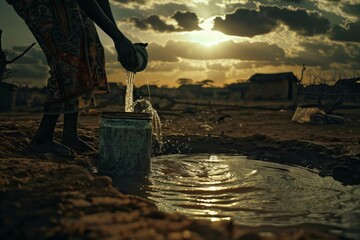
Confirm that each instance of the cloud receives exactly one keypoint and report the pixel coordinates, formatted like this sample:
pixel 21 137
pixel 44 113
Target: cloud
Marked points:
pixel 160 53
pixel 250 22
pixel 257 51
pixel 31 66
pixel 217 67
pixel 245 22
pixel 171 67
pixel 37 71
pixel 143 4
pixel 34 55
pixel 293 1
pixel 351 34
pixel 186 21
pixel 352 9
pixel 160 67
pixel 152 22
pixel 299 20
pixel 168 9
pixel 257 64
pixel 129 1
pixel 324 54
pixel 156 24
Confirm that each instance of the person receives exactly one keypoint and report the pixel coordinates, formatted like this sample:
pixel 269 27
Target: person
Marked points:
pixel 66 33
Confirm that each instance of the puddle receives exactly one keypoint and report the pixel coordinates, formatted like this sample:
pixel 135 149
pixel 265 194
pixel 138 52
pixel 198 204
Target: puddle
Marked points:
pixel 249 192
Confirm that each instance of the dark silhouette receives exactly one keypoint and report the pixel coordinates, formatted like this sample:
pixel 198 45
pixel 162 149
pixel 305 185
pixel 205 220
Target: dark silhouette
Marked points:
pixel 66 33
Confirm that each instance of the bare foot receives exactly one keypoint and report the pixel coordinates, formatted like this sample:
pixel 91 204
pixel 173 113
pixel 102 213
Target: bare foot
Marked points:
pixel 78 145
pixel 53 147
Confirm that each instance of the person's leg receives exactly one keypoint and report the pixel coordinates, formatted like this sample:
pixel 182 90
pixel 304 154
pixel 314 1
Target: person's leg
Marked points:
pixel 45 133
pixel 70 136
pixel 43 141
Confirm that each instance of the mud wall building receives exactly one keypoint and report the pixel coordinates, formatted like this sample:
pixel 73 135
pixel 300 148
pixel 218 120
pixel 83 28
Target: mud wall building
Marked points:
pixel 349 90
pixel 276 86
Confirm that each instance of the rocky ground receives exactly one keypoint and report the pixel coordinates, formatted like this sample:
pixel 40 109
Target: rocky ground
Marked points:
pixel 44 197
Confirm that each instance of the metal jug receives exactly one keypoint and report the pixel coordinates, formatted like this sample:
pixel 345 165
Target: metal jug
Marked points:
pixel 142 56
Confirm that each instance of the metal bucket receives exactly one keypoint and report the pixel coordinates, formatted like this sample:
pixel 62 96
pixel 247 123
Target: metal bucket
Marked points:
pixel 125 144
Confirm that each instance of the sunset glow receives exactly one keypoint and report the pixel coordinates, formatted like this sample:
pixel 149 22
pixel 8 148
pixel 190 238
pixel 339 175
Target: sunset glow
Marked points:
pixel 207 36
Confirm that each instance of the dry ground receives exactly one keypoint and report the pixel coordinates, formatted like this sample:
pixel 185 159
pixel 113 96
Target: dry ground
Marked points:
pixel 44 197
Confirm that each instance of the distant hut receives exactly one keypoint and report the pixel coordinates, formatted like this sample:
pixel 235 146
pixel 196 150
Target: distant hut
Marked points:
pixel 275 86
pixel 350 89
pixel 351 85
pixel 238 91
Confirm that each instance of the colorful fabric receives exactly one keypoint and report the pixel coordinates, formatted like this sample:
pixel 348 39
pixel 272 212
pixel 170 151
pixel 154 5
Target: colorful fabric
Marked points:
pixel 73 50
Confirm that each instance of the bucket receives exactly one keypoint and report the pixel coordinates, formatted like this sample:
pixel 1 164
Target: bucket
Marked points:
pixel 125 144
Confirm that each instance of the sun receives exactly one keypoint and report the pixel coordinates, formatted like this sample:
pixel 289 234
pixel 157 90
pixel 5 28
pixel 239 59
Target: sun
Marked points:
pixel 207 36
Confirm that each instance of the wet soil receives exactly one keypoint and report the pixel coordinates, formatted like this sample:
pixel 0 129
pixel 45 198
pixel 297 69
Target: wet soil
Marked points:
pixel 332 150
pixel 46 197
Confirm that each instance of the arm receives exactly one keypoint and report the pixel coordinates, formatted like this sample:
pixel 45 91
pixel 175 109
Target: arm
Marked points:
pixel 94 11
pixel 101 14
pixel 105 6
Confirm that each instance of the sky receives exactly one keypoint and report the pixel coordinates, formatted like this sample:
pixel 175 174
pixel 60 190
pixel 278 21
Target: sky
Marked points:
pixel 225 41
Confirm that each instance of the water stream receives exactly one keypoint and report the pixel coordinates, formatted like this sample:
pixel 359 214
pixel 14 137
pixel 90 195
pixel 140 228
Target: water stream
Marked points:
pixel 129 97
pixel 144 107
pixel 250 192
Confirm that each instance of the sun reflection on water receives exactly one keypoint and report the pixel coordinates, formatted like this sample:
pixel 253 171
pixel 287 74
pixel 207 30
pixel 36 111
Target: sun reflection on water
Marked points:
pixel 250 192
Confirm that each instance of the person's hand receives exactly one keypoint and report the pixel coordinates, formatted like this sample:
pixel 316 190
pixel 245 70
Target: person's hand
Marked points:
pixel 127 54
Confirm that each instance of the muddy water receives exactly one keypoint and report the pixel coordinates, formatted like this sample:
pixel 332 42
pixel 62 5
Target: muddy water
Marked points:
pixel 250 192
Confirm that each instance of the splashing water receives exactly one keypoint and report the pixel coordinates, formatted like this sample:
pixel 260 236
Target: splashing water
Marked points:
pixel 129 99
pixel 144 105
pixel 155 119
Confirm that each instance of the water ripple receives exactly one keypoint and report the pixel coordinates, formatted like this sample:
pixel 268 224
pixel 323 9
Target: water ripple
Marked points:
pixel 250 192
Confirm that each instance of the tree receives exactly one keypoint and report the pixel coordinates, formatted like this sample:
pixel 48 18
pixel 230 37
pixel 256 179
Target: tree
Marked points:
pixel 206 83
pixel 4 72
pixel 300 87
pixel 184 81
pixel 299 81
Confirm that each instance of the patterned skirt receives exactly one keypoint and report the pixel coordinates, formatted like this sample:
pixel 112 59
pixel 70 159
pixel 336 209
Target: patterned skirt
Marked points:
pixel 73 50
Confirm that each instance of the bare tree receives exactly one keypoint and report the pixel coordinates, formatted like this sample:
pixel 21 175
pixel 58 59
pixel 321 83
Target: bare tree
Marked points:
pixel 330 77
pixel 329 98
pixel 300 81
pixel 4 72
pixel 299 87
